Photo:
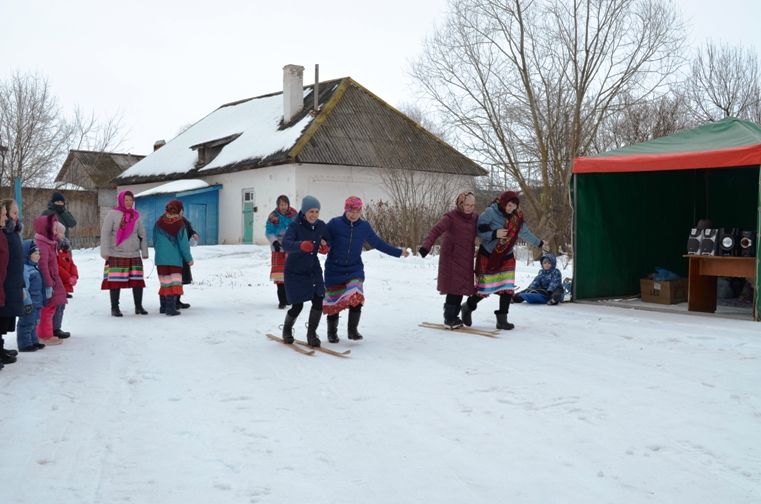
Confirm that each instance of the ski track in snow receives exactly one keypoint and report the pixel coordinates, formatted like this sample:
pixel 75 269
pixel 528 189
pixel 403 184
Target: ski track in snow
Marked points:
pixel 579 403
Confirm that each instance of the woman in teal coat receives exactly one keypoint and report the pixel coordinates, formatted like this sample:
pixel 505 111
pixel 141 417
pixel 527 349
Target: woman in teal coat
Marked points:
pixel 170 240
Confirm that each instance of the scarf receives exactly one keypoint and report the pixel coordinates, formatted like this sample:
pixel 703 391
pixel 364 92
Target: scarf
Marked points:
pixel 129 218
pixel 504 248
pixel 171 225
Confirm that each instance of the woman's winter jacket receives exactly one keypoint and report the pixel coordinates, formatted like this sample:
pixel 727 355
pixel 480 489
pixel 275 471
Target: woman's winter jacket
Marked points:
pixel 492 219
pixel 276 225
pixel 347 239
pixel 303 273
pixel 171 250
pixel 456 265
pixel 13 286
pixel 46 243
pixel 133 246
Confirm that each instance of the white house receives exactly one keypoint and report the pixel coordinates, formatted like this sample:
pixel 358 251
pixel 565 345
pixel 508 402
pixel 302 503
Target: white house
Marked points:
pixel 290 143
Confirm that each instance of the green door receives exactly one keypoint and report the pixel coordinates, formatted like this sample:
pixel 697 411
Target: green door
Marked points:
pixel 248 216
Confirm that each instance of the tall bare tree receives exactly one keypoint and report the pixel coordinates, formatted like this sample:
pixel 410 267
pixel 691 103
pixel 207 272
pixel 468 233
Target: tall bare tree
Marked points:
pixel 32 128
pixel 725 81
pixel 527 84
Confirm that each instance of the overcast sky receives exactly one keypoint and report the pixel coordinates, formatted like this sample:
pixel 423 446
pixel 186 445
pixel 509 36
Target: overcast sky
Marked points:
pixel 162 64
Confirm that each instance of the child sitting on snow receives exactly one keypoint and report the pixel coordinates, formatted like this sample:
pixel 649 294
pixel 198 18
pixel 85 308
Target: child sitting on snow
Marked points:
pixel 547 287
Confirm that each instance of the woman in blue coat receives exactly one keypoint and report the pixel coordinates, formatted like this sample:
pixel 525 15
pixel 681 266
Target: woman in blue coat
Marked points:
pixel 303 274
pixel 344 270
pixel 170 241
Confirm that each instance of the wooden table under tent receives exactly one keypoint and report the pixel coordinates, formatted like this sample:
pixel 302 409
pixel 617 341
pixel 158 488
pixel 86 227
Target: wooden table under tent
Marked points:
pixel 634 207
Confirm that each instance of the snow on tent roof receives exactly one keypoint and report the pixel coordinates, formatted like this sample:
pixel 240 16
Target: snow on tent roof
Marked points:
pixel 257 123
pixel 174 187
pixel 723 144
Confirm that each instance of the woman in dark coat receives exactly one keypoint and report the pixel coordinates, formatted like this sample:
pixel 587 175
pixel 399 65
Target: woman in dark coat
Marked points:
pixel 13 286
pixel 499 227
pixel 303 273
pixel 456 274
pixel 344 270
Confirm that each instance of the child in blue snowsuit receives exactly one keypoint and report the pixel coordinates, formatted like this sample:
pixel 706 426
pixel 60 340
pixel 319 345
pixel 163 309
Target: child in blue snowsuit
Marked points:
pixel 34 299
pixel 547 287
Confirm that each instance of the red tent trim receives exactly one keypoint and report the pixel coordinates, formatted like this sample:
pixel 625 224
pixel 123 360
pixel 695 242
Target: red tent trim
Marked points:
pixel 747 155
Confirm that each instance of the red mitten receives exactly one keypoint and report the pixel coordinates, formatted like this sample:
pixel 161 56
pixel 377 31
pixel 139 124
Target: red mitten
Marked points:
pixel 324 249
pixel 306 246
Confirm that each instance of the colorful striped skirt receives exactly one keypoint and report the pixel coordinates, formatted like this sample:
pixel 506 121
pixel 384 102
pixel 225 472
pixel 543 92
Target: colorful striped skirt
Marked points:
pixel 170 280
pixel 342 296
pixel 122 273
pixel 494 280
pixel 278 267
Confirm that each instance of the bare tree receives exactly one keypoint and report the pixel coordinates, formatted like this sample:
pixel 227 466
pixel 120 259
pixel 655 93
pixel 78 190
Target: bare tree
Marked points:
pixel 725 81
pixel 32 128
pixel 90 133
pixel 527 84
pixel 416 201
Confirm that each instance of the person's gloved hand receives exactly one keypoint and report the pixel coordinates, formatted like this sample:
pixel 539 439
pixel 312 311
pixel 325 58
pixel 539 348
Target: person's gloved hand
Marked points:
pixel 423 251
pixel 48 292
pixel 306 246
pixel 28 309
pixel 276 245
pixel 324 248
pixel 73 281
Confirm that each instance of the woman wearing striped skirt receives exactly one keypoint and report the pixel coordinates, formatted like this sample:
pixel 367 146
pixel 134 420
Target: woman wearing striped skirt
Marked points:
pixel 344 270
pixel 122 243
pixel 170 240
pixel 277 222
pixel 499 227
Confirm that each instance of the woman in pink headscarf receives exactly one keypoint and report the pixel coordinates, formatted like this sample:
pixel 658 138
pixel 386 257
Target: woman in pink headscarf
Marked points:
pixel 122 242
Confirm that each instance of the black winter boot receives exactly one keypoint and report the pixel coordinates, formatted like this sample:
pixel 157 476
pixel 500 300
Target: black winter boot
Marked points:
pixel 180 304
pixel 451 320
pixel 115 302
pixel 354 317
pixel 468 307
pixel 314 321
pixel 282 301
pixel 137 295
pixel 502 322
pixel 170 306
pixel 162 304
pixel 6 357
pixel 288 329
pixel 333 328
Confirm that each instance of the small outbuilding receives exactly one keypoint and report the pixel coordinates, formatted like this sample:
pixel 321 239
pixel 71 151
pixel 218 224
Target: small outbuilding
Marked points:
pixel 634 207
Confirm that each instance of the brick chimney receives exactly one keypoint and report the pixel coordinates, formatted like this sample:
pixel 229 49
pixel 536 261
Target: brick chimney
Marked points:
pixel 293 91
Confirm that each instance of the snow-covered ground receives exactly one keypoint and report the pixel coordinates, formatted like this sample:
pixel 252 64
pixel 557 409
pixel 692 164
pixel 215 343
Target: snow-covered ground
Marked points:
pixel 579 404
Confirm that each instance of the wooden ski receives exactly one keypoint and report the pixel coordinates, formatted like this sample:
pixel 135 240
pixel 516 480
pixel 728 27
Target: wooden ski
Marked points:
pixel 330 351
pixel 464 329
pixel 296 348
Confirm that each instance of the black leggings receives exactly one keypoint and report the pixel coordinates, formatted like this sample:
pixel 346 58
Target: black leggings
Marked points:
pixel 297 307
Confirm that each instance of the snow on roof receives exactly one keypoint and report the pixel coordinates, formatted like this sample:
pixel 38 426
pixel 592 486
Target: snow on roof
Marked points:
pixel 256 120
pixel 174 187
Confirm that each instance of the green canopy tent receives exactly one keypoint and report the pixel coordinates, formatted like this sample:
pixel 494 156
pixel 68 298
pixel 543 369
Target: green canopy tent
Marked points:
pixel 634 206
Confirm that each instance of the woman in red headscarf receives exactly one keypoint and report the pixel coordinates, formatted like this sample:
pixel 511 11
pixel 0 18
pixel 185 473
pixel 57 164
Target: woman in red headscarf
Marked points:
pixel 499 227
pixel 456 278
pixel 122 243
pixel 170 242
pixel 277 222
pixel 344 270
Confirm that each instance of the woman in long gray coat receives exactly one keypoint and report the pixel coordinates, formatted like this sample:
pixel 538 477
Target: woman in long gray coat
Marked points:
pixel 122 243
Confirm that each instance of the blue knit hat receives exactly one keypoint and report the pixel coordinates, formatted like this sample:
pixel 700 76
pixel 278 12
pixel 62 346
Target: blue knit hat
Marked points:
pixel 308 203
pixel 57 197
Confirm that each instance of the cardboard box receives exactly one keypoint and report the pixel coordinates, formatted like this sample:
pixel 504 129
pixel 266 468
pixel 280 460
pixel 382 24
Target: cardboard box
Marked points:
pixel 663 291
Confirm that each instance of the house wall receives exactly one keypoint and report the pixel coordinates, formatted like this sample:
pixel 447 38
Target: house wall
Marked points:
pixel 330 184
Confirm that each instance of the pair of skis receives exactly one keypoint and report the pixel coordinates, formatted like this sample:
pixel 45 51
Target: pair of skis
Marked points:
pixel 464 329
pixel 303 347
